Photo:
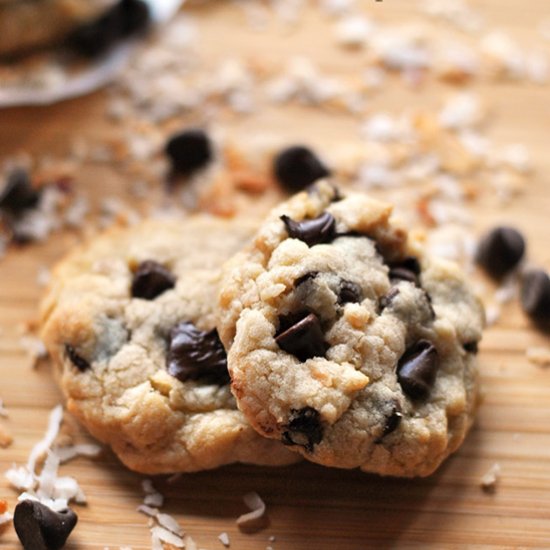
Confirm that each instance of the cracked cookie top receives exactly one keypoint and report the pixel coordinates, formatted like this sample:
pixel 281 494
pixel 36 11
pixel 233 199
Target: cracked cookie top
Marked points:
pixel 129 321
pixel 345 341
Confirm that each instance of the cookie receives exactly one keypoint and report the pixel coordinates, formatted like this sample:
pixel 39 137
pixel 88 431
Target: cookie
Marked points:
pixel 28 25
pixel 129 321
pixel 346 341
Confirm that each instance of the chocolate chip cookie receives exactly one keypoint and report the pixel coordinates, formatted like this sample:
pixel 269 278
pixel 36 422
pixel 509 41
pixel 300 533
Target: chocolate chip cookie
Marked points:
pixel 129 321
pixel 346 341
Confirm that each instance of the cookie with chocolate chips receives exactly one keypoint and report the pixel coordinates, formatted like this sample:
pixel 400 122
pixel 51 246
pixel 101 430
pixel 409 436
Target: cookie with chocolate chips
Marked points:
pixel 346 341
pixel 129 321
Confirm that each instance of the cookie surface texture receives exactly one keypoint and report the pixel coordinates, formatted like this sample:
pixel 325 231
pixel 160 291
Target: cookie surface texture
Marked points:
pixel 129 321
pixel 346 342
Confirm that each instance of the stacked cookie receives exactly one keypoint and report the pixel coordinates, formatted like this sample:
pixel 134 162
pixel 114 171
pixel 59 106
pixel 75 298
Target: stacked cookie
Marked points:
pixel 334 338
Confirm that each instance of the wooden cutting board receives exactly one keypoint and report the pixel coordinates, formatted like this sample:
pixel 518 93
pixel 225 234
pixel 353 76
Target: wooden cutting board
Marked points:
pixel 310 507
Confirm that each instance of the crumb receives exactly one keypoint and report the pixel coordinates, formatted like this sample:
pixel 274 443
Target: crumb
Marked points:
pixel 224 539
pixel 6 439
pixel 539 356
pixel 490 480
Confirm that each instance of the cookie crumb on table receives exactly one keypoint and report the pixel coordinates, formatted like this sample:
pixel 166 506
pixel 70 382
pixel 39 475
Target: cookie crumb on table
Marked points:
pixel 538 355
pixel 490 479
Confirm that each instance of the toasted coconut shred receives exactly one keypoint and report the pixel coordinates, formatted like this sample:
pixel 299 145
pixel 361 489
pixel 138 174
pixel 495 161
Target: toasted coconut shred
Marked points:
pixel 257 507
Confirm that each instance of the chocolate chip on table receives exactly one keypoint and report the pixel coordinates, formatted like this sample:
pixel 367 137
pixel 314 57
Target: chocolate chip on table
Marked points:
pixel 150 280
pixel 189 151
pixel 535 296
pixel 500 251
pixel 79 362
pixel 349 292
pixel 297 167
pixel 417 369
pixel 302 338
pixel 304 428
pixel 194 354
pixel 321 229
pixel 124 19
pixel 18 193
pixel 40 528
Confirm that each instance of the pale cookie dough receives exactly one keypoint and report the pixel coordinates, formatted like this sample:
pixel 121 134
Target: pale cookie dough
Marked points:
pixel 109 321
pixel 346 342
pixel 29 24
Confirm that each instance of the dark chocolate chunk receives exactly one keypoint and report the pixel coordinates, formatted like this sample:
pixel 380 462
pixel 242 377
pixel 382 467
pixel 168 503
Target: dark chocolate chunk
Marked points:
pixel 150 280
pixel 79 362
pixel 197 355
pixel 388 298
pixel 297 167
pixel 392 423
pixel 405 270
pixel 471 347
pixel 303 338
pixel 417 369
pixel 316 231
pixel 535 297
pixel 40 528
pixel 124 19
pixel 189 151
pixel 349 292
pixel 304 428
pixel 304 278
pixel 18 193
pixel 500 251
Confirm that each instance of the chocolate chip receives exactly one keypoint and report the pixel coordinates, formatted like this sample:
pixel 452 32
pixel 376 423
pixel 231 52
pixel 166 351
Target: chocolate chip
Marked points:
pixel 18 193
pixel 349 292
pixel 500 251
pixel 189 151
pixel 417 369
pixel 40 528
pixel 297 167
pixel 150 280
pixel 392 423
pixel 304 428
pixel 312 232
pixel 79 362
pixel 126 18
pixel 304 278
pixel 197 355
pixel 303 338
pixel 405 270
pixel 535 297
pixel 470 347
pixel 388 298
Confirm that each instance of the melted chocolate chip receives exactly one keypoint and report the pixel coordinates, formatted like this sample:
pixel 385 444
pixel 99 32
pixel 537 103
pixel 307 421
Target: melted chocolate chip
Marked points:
pixel 197 355
pixel 304 278
pixel 535 297
pixel 302 336
pixel 40 528
pixel 150 280
pixel 312 232
pixel 18 193
pixel 124 19
pixel 500 251
pixel 388 298
pixel 304 428
pixel 297 167
pixel 417 369
pixel 405 270
pixel 79 362
pixel 392 423
pixel 470 347
pixel 349 292
pixel 189 151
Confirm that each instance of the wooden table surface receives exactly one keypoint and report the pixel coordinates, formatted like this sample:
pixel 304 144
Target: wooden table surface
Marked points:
pixel 310 507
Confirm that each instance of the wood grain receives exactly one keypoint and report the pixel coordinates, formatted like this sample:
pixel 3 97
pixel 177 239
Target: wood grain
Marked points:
pixel 309 506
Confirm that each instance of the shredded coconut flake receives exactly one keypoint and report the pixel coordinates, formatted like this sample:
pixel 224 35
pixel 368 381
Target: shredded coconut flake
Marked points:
pixel 257 507
pixel 161 535
pixel 489 481
pixel 6 517
pixel 224 539
pixel 72 451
